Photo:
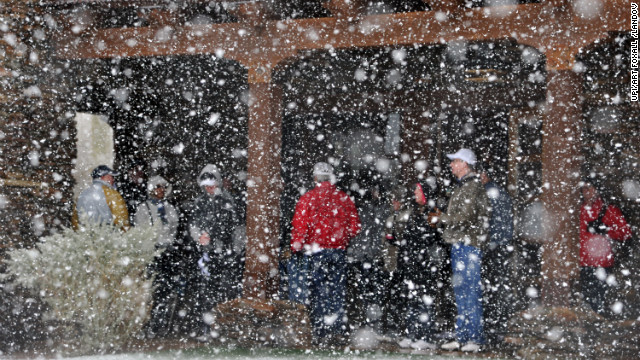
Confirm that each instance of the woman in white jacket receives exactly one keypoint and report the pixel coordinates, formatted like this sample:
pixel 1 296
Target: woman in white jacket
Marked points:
pixel 157 210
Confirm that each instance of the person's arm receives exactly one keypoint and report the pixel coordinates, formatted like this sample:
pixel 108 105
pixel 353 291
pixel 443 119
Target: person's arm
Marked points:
pixel 74 218
pixel 354 219
pixel 200 236
pixel 299 225
pixel 142 216
pixel 619 229
pixel 119 212
pixel 172 224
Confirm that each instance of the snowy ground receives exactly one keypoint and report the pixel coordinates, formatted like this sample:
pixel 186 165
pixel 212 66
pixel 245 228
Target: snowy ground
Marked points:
pixel 209 353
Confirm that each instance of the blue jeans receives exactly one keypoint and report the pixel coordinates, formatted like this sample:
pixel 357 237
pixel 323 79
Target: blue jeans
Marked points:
pixel 298 270
pixel 327 292
pixel 466 262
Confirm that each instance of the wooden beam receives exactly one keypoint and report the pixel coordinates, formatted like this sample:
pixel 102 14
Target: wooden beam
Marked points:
pixel 22 183
pixel 558 34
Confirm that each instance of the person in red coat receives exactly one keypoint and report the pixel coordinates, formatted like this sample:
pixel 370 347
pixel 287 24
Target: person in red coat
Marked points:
pixel 601 224
pixel 324 222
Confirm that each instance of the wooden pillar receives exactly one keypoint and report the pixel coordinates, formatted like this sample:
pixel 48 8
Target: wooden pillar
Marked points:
pixel 561 162
pixel 263 185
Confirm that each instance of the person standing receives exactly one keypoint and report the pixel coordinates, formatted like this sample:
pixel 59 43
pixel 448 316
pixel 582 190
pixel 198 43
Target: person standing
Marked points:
pixel 417 272
pixel 133 187
pixel 157 211
pixel 367 275
pixel 213 219
pixel 325 220
pixel 101 202
pixel 601 225
pixel 466 225
pixel 497 259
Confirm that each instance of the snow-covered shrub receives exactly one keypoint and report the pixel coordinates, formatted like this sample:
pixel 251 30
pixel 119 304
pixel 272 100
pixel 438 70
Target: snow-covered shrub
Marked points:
pixel 93 280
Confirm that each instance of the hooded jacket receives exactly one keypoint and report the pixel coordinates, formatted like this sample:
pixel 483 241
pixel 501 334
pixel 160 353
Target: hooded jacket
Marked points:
pixel 415 244
pixel 103 204
pixel 324 218
pixel 468 213
pixel 368 244
pixel 214 214
pixel 600 222
pixel 155 211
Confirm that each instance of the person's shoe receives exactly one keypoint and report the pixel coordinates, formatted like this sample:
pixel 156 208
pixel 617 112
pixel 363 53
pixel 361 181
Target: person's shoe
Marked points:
pixel 384 338
pixel 454 345
pixel 404 343
pixel 204 338
pixel 423 345
pixel 331 342
pixel 471 347
pixel 205 335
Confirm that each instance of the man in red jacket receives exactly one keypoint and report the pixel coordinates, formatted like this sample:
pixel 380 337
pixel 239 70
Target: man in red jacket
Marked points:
pixel 600 224
pixel 324 222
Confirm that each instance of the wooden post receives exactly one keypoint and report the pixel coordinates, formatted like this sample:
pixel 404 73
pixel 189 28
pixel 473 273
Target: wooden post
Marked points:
pixel 561 161
pixel 263 186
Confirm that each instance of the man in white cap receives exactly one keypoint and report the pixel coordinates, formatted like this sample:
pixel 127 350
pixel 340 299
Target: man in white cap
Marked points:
pixel 324 222
pixel 101 202
pixel 466 229
pixel 213 217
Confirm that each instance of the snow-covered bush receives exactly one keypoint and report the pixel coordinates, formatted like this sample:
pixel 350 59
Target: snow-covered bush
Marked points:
pixel 94 282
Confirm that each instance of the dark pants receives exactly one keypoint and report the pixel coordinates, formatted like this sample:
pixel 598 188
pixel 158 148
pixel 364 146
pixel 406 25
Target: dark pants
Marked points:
pixel 327 292
pixel 168 292
pixel 419 316
pixel 596 292
pixel 367 280
pixel 221 282
pixel 498 292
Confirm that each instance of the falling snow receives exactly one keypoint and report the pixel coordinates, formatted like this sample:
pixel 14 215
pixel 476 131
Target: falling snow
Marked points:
pixel 257 93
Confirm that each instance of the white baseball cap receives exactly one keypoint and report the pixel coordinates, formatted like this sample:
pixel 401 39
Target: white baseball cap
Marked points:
pixel 465 155
pixel 322 168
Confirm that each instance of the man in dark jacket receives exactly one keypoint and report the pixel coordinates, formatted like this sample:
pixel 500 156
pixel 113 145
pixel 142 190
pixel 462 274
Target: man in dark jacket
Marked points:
pixel 466 229
pixel 367 276
pixel 417 272
pixel 324 222
pixel 212 220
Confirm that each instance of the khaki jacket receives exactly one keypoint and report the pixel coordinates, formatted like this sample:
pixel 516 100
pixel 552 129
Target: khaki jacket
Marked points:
pixel 103 204
pixel 468 214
